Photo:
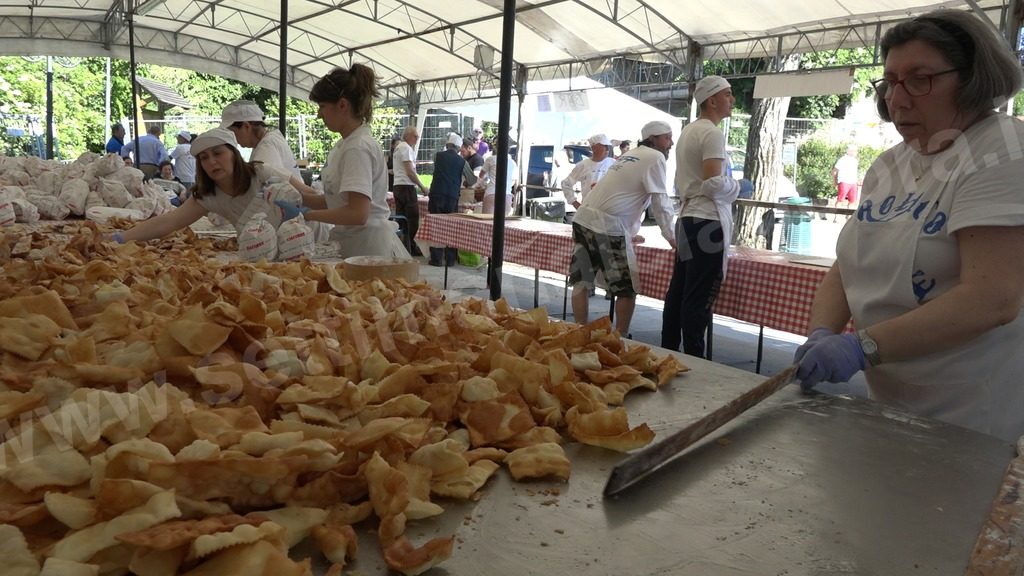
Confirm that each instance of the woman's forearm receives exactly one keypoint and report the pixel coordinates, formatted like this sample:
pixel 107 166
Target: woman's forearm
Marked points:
pixel 340 216
pixel 990 293
pixel 314 201
pixel 830 309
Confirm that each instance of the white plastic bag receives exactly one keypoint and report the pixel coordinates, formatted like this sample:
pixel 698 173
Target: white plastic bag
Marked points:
pixel 294 239
pixel 108 165
pixel 131 178
pixel 161 203
pixel 25 211
pixel 15 177
pixel 50 182
pixel 258 239
pixel 7 215
pixel 114 193
pixel 146 206
pixel 74 194
pixel 103 214
pixel 274 190
pixel 49 207
pixel 93 200
pixel 12 192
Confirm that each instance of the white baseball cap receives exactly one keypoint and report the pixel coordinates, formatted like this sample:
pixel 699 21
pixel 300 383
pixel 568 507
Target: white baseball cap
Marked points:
pixel 655 128
pixel 455 139
pixel 600 139
pixel 240 111
pixel 212 138
pixel 707 87
pixel 184 134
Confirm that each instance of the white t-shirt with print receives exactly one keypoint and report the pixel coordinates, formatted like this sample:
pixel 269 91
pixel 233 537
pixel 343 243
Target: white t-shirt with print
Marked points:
pixel 587 173
pixel 238 210
pixel 614 207
pixel 699 141
pixel 356 165
pixel 273 150
pixel 403 153
pixel 899 252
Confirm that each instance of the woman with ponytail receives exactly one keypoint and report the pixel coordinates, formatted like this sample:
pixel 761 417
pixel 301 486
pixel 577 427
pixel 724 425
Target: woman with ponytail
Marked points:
pixel 355 177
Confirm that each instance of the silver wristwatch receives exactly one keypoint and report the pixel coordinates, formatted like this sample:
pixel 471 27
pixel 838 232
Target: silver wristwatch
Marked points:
pixel 870 348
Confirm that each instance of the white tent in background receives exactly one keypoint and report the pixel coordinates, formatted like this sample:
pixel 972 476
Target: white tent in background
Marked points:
pixel 559 112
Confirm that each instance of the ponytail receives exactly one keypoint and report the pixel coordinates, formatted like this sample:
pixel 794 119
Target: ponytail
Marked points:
pixel 358 85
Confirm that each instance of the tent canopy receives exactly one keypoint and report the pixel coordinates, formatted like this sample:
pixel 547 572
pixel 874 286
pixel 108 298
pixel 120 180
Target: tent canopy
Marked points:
pixel 450 50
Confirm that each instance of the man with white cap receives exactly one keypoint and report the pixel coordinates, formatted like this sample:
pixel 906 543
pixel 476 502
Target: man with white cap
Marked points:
pixel 587 172
pixel 184 161
pixel 450 169
pixel 608 220
pixel 245 119
pixel 704 226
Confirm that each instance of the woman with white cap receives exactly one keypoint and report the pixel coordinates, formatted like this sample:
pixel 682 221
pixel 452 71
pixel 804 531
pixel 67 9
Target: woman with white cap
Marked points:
pixel 704 226
pixel 225 185
pixel 244 118
pixel 356 175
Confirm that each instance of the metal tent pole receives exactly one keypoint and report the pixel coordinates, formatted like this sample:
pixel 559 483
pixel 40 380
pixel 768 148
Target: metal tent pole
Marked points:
pixel 49 108
pixel 135 87
pixel 504 111
pixel 283 90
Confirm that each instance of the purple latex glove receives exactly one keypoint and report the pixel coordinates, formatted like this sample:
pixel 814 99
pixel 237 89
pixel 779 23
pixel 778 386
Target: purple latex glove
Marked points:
pixel 834 358
pixel 289 211
pixel 117 237
pixel 816 334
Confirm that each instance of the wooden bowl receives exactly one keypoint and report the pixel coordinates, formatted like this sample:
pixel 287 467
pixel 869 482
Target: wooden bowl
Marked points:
pixel 385 268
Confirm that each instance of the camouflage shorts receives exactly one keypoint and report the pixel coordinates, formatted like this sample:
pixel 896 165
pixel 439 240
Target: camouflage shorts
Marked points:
pixel 593 252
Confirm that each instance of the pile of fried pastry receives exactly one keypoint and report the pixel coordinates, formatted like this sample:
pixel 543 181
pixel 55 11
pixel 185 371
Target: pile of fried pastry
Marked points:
pixel 167 412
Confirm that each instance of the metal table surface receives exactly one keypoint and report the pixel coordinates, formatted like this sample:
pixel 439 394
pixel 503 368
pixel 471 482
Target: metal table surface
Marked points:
pixel 797 486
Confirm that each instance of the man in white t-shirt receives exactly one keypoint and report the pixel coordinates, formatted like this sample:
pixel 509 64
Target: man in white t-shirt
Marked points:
pixel 587 172
pixel 184 161
pixel 489 174
pixel 608 220
pixel 704 227
pixel 407 183
pixel 845 177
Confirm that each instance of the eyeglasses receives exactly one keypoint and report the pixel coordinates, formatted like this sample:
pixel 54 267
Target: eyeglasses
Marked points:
pixel 915 84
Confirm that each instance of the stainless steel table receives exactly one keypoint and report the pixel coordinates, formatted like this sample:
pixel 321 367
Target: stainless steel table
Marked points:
pixel 797 486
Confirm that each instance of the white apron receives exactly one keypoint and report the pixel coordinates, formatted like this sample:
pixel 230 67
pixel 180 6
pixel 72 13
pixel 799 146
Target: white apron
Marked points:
pixel 376 238
pixel 724 207
pixel 978 385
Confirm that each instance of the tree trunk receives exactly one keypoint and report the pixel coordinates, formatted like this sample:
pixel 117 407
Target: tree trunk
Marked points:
pixel 764 162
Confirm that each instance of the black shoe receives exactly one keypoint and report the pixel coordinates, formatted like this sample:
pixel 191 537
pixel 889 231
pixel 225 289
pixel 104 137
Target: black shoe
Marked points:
pixel 416 252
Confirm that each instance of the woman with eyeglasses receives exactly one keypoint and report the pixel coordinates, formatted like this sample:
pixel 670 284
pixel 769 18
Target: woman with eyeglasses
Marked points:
pixel 356 176
pixel 931 268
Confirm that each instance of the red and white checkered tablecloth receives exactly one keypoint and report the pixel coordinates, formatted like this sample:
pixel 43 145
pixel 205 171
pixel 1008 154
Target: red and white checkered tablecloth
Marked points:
pixel 761 287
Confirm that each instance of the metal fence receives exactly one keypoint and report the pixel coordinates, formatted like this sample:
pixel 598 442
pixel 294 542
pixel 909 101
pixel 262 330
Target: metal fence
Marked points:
pixel 22 135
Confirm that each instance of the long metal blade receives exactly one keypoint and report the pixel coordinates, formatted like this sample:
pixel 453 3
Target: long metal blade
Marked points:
pixel 638 465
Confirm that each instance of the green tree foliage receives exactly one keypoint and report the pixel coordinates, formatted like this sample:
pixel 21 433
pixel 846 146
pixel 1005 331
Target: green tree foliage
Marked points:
pixel 815 159
pixel 79 93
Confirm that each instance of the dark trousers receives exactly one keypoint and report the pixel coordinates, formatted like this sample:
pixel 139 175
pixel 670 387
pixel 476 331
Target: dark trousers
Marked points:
pixel 696 278
pixel 407 204
pixel 438 204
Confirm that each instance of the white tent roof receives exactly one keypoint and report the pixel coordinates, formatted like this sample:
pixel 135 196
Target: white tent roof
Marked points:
pixel 433 42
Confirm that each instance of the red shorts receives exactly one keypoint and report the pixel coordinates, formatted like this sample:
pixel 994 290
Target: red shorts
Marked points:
pixel 847 192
